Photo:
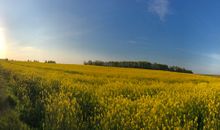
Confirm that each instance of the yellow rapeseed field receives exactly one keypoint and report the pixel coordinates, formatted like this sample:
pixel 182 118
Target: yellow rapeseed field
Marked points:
pixel 58 96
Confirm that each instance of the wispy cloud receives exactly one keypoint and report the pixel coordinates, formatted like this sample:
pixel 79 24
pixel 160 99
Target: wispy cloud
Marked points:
pixel 159 7
pixel 214 56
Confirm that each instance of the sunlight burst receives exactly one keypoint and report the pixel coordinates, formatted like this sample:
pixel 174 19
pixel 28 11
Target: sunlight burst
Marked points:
pixel 2 44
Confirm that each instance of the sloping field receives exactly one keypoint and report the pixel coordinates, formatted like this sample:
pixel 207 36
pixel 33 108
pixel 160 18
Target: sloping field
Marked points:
pixel 55 96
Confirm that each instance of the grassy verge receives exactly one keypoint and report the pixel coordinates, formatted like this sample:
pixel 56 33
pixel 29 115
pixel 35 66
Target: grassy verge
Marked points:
pixel 9 118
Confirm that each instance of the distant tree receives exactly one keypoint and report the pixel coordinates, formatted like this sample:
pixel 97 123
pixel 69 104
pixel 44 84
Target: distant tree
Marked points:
pixel 179 69
pixel 50 62
pixel 99 63
pixel 36 61
pixel 138 64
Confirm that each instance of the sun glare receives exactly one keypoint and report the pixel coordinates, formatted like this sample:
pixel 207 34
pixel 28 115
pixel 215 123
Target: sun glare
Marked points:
pixel 2 44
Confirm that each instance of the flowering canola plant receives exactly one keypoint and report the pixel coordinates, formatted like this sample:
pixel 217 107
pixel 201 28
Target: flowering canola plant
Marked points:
pixel 57 96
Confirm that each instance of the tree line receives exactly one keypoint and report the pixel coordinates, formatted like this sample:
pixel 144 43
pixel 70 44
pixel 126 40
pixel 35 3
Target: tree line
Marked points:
pixel 138 64
pixel 46 61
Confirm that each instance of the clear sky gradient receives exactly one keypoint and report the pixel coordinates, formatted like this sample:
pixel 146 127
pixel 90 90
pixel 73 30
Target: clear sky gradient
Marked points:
pixel 175 32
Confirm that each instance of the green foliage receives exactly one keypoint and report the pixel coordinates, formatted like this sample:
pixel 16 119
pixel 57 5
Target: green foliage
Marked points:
pixel 10 121
pixel 29 91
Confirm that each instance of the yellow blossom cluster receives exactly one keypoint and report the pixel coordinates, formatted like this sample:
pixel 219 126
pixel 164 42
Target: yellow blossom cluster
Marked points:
pixel 57 96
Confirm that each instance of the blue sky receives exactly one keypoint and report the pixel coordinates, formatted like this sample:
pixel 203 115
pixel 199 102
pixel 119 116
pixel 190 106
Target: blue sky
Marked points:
pixel 175 32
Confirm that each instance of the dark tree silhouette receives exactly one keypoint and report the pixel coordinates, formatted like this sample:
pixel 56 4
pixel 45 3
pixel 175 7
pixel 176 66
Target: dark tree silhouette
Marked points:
pixel 138 64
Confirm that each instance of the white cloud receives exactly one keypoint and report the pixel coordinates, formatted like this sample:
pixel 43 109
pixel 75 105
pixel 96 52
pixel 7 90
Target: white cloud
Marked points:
pixel 159 7
pixel 214 56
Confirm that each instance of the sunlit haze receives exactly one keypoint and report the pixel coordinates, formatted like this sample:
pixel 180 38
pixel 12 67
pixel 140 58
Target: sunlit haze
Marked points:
pixel 2 44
